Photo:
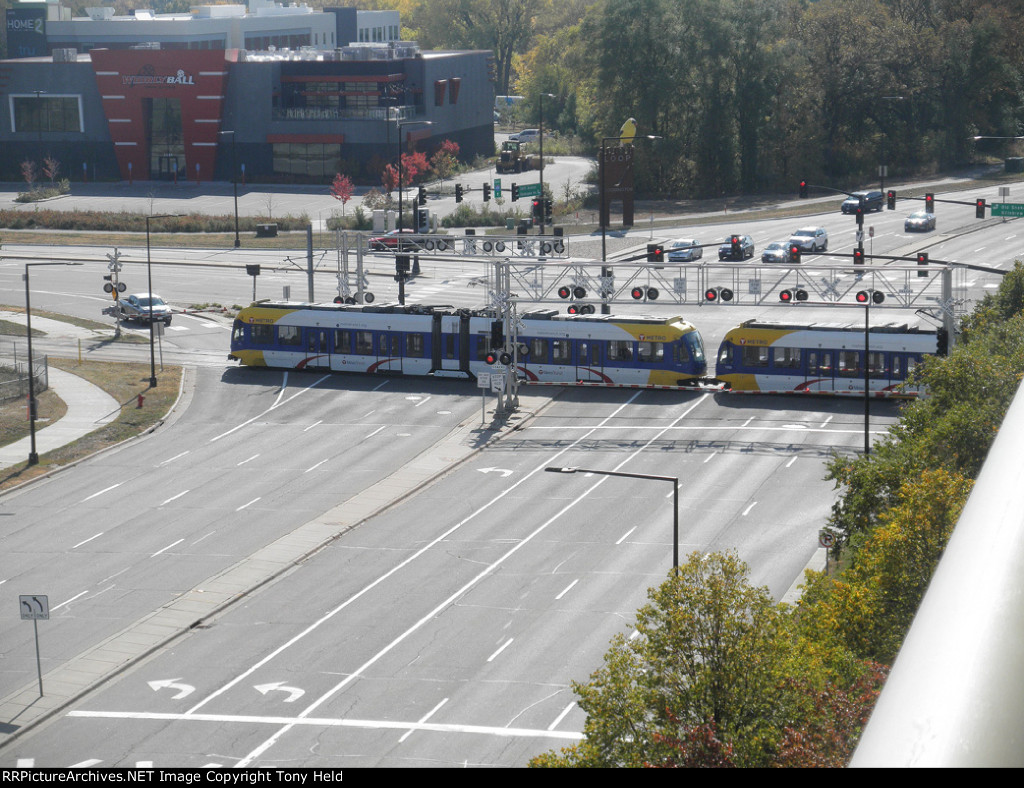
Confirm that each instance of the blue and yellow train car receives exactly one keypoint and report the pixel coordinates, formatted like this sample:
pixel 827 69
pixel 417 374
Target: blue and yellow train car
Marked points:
pixel 780 358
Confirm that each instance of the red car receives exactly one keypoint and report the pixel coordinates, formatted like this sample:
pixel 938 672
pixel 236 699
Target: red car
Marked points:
pixel 389 242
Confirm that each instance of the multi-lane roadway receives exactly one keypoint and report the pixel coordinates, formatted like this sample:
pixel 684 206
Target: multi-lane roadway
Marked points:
pixel 397 622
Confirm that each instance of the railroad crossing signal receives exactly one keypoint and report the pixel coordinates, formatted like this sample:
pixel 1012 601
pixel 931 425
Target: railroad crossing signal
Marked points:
pixel 874 296
pixel 713 294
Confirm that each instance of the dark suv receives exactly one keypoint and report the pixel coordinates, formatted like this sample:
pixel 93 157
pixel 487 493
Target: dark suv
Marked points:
pixel 745 243
pixel 872 201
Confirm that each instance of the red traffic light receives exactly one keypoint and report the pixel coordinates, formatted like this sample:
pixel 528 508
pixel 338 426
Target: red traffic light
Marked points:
pixel 711 294
pixel 564 291
pixel 979 209
pixel 637 293
pixel 858 257
pixel 862 297
pixel 786 296
pixel 491 358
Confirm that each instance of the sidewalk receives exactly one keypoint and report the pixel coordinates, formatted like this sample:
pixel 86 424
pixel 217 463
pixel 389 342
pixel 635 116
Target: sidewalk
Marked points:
pixel 88 407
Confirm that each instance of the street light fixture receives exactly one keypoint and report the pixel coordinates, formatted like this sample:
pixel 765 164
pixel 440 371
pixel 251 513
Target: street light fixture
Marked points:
pixel 33 456
pixel 650 477
pixel 602 209
pixel 149 278
pixel 400 124
pixel 542 200
pixel 234 182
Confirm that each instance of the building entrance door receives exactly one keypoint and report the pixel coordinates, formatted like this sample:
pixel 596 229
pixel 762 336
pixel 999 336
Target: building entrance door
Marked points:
pixel 166 142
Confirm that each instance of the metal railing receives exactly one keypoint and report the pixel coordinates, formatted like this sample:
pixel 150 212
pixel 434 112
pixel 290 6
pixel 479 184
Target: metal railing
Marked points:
pixel 14 371
pixel 955 696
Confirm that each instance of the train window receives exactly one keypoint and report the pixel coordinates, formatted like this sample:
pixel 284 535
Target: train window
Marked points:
pixel 414 345
pixel 876 364
pixel 696 346
pixel 911 363
pixel 561 351
pixel 786 357
pixel 897 367
pixel 819 363
pixel 725 353
pixel 262 335
pixel 755 356
pixel 538 351
pixel 342 341
pixel 395 343
pixel 449 346
pixel 364 343
pixel 289 335
pixel 652 352
pixel 483 345
pixel 849 362
pixel 620 351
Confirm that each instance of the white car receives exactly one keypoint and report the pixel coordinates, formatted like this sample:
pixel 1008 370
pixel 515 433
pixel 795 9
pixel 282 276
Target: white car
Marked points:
pixel 810 239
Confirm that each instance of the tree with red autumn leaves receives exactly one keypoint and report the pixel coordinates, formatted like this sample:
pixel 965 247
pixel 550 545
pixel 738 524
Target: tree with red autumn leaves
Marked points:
pixel 342 189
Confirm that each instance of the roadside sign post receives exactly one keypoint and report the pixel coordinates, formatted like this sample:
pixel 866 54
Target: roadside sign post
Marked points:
pixel 32 608
pixel 483 382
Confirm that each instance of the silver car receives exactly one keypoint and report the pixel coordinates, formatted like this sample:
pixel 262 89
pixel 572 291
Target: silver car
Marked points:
pixel 919 221
pixel 144 307
pixel 777 252
pixel 683 250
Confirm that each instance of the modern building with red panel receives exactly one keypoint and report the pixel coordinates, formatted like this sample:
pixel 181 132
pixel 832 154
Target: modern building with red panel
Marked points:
pixel 148 112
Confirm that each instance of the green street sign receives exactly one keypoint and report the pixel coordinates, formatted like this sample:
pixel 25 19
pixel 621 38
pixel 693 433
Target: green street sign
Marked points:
pixel 1013 210
pixel 529 190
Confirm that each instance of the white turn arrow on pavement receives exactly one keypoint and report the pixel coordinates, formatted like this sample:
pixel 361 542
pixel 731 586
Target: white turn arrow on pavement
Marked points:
pixel 184 690
pixel 294 693
pixel 503 471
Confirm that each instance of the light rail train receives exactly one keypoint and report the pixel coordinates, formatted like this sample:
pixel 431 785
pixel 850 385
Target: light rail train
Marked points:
pixel 776 358
pixel 430 340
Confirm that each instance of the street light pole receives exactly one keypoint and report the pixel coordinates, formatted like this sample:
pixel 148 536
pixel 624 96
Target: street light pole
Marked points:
pixel 885 136
pixel 149 279
pixel 542 200
pixel 234 183
pixel 33 456
pixel 650 477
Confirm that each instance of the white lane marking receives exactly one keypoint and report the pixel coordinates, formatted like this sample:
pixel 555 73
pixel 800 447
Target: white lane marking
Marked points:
pixel 825 422
pixel 175 497
pixel 375 432
pixel 246 505
pixel 69 601
pixel 276 404
pixel 87 540
pixel 423 719
pixel 175 457
pixel 561 716
pixel 108 489
pixel 250 459
pixel 314 467
pixel 164 549
pixel 314 424
pixel 791 462
pixel 747 510
pixel 567 589
pixel 431 615
pixel 501 648
pixel 625 536
pixel 327 722
pixel 711 457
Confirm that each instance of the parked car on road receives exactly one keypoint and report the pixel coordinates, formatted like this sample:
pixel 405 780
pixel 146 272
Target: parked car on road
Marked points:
pixel 683 250
pixel 810 239
pixel 777 252
pixel 143 307
pixel 745 244
pixel 872 201
pixel 526 135
pixel 920 221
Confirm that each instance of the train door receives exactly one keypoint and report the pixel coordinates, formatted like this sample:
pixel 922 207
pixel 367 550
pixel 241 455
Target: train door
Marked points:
pixel 318 352
pixel 389 352
pixel 588 360
pixel 821 370
pixel 449 344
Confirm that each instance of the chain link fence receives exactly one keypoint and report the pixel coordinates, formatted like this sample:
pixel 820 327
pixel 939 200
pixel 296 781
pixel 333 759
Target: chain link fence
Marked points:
pixel 14 370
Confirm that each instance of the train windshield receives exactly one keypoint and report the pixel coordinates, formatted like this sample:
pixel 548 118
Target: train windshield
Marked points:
pixel 695 345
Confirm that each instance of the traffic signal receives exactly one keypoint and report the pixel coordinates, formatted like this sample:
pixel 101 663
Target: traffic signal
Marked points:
pixel 737 249
pixel 860 215
pixel 422 195
pixel 549 209
pixel 515 192
pixel 491 357
pixel 803 188
pixel 487 192
pixel 979 209
pixel 786 296
pixel 858 256
pixel 655 253
pixel 942 342
pixel 873 296
pixel 890 200
pixel 458 192
pixel 497 334
pixel 639 292
pixel 713 294
pixel 929 203
pixel 538 210
pixel 922 259
pixel 794 254
pixel 401 264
